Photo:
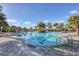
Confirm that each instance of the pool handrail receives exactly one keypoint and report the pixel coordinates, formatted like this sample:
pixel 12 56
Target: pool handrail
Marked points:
pixel 69 40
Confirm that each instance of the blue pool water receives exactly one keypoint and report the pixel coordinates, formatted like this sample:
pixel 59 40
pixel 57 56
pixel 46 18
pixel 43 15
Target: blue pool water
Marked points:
pixel 42 39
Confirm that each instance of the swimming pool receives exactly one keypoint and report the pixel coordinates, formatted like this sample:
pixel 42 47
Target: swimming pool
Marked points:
pixel 42 39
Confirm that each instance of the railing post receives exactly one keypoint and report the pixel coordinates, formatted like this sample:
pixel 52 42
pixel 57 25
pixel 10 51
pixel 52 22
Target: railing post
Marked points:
pixel 57 42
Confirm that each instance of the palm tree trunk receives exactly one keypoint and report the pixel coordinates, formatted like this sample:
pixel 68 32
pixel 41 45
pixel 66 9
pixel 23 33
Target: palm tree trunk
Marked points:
pixel 2 27
pixel 78 32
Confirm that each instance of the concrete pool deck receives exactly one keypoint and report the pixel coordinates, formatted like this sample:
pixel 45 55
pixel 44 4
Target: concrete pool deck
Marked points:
pixel 10 46
pixel 72 34
pixel 5 40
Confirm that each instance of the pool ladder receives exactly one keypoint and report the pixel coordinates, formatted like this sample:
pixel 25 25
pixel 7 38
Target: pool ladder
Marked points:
pixel 68 40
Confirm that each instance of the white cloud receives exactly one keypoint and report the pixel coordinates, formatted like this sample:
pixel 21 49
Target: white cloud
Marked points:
pixel 11 20
pixel 74 12
pixel 28 22
pixel 59 21
pixel 34 24
pixel 16 24
pixel 66 16
pixel 46 21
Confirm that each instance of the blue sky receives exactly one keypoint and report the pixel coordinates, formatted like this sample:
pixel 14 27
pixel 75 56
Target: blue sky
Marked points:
pixel 28 15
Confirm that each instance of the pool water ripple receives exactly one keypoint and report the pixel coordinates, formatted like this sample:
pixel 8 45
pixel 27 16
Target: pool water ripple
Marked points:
pixel 42 39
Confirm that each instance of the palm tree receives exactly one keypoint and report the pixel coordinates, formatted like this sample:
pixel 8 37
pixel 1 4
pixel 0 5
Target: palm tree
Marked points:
pixel 74 21
pixel 35 28
pixel 6 28
pixel 59 26
pixel 30 29
pixel 49 25
pixel 18 29
pixel 41 26
pixel 24 29
pixel 56 26
pixel 13 28
pixel 2 19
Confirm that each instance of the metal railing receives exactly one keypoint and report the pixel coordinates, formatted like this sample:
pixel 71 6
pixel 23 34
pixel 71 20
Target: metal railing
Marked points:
pixel 68 40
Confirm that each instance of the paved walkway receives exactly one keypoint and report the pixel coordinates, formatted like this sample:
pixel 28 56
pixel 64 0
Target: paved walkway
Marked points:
pixel 19 48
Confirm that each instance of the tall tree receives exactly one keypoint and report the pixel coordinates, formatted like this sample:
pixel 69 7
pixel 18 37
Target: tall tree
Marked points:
pixel 49 26
pixel 13 28
pixel 74 21
pixel 3 22
pixel 59 26
pixel 41 26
